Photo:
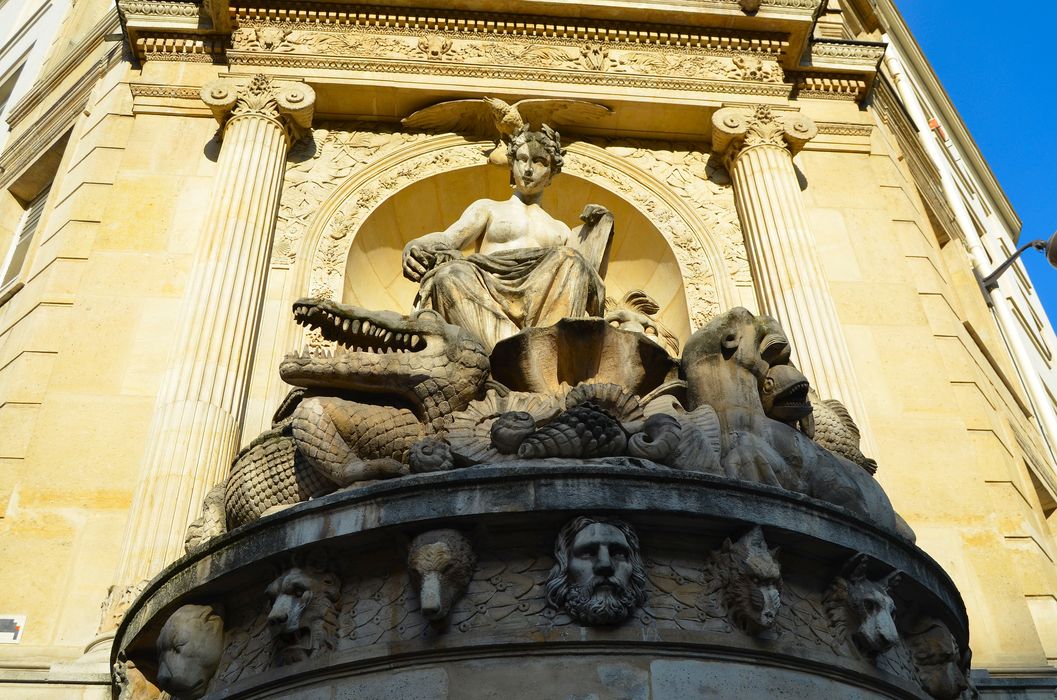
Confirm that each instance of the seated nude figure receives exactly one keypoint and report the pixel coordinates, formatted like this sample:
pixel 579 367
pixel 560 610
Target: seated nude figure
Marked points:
pixel 525 273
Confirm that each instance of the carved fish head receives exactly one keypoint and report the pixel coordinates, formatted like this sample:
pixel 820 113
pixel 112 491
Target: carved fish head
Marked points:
pixel 784 394
pixel 726 361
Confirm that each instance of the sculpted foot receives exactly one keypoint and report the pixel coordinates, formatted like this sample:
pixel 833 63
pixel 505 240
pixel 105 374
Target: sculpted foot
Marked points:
pixel 356 470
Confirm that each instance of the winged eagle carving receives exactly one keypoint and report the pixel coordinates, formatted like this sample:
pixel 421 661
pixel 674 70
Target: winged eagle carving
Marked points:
pixel 486 116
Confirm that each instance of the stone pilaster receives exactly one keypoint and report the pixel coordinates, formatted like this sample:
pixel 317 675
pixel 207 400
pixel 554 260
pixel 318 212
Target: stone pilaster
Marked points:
pixel 195 429
pixel 758 148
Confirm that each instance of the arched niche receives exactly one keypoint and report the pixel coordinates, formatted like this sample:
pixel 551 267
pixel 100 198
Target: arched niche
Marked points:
pixel 351 251
pixel 640 257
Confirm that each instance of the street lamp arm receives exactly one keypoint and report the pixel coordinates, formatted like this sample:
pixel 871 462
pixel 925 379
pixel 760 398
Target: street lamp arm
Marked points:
pixel 1049 247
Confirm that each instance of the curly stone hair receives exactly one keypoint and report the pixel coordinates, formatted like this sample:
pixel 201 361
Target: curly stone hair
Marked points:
pixel 558 580
pixel 546 137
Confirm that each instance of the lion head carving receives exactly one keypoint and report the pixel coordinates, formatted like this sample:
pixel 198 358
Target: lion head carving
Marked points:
pixel 303 615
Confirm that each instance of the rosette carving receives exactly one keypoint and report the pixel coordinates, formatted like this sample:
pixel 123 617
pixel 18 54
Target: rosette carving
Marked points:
pixel 734 131
pixel 289 103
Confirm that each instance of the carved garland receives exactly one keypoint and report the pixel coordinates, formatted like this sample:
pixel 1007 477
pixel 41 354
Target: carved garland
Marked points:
pixel 384 165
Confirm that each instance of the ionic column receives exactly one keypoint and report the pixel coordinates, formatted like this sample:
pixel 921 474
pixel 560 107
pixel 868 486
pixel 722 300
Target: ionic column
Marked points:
pixel 195 429
pixel 758 148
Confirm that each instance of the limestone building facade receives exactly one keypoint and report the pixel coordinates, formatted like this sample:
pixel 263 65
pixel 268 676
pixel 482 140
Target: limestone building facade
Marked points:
pixel 178 174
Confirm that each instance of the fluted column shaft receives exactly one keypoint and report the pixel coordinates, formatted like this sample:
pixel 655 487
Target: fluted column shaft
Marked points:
pixel 195 428
pixel 758 149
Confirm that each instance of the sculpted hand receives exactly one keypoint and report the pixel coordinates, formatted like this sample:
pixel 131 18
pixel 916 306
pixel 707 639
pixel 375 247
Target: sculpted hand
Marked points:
pixel 421 258
pixel 418 260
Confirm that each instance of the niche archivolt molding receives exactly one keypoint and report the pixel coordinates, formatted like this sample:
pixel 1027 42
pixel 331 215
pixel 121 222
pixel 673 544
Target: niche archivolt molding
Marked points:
pixel 349 175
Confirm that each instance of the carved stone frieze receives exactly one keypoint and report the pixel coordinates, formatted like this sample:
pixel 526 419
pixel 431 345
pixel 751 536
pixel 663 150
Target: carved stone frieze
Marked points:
pixel 620 61
pixel 844 129
pixel 158 9
pixel 289 103
pixel 511 592
pixel 434 27
pixel 317 164
pixel 170 91
pixel 868 52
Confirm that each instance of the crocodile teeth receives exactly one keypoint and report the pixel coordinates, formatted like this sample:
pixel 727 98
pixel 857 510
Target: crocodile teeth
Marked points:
pixel 388 336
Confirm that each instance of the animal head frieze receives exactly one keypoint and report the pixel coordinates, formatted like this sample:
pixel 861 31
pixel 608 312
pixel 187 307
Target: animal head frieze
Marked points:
pixel 752 581
pixel 864 607
pixel 189 649
pixel 303 612
pixel 441 564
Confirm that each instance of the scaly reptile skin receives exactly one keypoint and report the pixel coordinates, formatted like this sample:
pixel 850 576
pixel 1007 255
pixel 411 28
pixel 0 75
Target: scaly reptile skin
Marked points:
pixel 391 381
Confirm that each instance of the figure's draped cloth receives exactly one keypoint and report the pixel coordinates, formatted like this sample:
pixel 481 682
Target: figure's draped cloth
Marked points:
pixel 496 295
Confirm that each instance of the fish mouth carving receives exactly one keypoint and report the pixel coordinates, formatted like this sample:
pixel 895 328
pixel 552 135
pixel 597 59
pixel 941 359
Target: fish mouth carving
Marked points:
pixel 785 394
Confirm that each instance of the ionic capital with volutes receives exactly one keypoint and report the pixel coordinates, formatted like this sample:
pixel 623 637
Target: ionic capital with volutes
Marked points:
pixel 287 103
pixel 734 131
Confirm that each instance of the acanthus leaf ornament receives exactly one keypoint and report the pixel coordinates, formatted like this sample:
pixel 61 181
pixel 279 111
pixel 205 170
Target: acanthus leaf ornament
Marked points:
pixel 289 103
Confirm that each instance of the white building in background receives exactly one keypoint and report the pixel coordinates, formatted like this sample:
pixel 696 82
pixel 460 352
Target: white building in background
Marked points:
pixel 975 211
pixel 27 28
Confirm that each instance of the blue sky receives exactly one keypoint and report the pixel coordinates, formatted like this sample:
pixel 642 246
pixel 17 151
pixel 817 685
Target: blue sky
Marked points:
pixel 996 61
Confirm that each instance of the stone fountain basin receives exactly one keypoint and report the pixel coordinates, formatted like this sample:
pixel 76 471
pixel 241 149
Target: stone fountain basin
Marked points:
pixel 512 511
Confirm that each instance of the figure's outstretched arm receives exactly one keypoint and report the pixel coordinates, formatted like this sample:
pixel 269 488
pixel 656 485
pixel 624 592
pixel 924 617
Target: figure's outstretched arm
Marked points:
pixel 420 255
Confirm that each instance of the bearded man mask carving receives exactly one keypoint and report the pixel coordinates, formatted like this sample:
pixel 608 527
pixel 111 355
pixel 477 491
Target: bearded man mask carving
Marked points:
pixel 598 577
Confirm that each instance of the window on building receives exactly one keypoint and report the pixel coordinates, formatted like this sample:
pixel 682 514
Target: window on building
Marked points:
pixel 7 85
pixel 16 254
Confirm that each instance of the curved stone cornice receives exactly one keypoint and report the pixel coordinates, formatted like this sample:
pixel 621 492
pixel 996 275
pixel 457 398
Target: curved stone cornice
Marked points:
pixel 288 103
pixel 735 130
pixel 361 531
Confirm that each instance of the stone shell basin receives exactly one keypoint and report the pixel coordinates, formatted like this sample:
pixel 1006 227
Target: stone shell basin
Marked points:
pixel 581 350
pixel 502 639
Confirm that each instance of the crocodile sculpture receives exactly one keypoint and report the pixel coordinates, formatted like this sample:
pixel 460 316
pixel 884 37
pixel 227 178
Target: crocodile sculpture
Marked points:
pixel 390 381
